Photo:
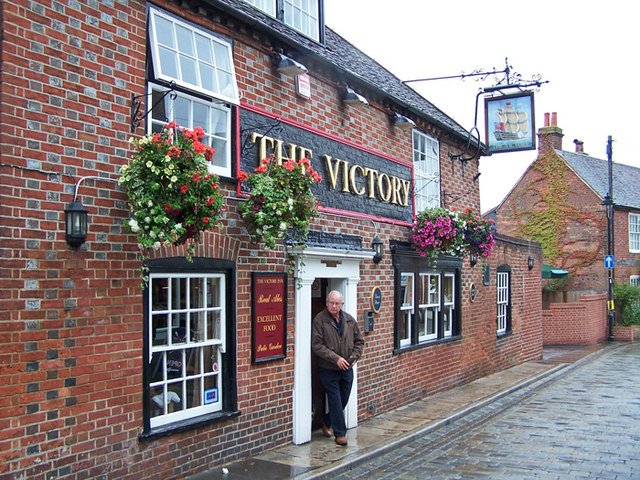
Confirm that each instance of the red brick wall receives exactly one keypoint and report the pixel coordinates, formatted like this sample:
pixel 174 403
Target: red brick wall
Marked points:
pixel 71 362
pixel 576 323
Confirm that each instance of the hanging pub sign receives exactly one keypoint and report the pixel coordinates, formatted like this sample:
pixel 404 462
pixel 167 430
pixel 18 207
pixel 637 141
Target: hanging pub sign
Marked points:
pixel 269 321
pixel 509 123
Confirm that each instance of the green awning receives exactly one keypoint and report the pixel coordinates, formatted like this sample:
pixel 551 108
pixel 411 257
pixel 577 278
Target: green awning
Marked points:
pixel 552 272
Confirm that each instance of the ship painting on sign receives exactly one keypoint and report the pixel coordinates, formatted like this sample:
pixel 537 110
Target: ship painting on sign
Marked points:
pixel 511 124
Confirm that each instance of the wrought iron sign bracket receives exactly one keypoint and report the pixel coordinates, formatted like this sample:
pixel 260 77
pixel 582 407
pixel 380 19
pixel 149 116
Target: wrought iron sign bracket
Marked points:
pixel 136 103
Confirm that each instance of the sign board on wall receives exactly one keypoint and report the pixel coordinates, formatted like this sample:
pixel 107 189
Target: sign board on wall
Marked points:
pixel 269 316
pixel 354 178
pixel 509 123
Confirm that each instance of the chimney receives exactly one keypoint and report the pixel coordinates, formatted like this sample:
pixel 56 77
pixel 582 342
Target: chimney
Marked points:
pixel 550 136
pixel 579 146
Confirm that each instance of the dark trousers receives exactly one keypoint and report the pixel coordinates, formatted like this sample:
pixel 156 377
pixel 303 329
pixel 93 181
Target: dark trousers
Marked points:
pixel 337 385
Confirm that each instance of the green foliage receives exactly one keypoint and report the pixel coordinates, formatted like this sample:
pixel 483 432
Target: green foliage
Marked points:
pixel 627 300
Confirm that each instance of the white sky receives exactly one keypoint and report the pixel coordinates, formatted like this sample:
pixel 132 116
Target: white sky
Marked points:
pixel 587 50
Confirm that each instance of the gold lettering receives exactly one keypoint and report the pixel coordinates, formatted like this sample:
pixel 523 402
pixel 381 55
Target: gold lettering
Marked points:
pixel 352 179
pixel 372 175
pixel 385 194
pixel 332 168
pixel 345 176
pixel 406 185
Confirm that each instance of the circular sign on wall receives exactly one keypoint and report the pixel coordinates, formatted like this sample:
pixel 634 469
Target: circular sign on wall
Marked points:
pixel 472 292
pixel 376 299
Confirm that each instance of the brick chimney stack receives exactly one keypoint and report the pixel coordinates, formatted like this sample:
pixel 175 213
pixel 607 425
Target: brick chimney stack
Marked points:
pixel 579 146
pixel 550 136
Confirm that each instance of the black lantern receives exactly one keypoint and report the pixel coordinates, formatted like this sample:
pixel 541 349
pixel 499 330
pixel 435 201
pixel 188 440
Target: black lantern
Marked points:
pixel 473 259
pixel 530 262
pixel 75 217
pixel 377 246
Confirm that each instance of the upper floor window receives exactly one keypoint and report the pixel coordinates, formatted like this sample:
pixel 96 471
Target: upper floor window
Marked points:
pixel 191 57
pixel 634 280
pixel 201 66
pixel 634 232
pixel 301 15
pixel 426 171
pixel 503 299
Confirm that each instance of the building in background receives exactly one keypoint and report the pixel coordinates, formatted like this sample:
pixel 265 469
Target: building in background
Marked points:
pixel 101 377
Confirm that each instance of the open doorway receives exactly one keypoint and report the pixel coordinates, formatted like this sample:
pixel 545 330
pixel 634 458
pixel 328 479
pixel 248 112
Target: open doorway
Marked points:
pixel 319 291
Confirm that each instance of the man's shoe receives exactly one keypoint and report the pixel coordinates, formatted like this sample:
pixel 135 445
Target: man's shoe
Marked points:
pixel 326 431
pixel 341 441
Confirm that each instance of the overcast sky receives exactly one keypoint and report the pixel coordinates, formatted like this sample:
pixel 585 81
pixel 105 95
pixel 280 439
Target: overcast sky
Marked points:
pixel 586 50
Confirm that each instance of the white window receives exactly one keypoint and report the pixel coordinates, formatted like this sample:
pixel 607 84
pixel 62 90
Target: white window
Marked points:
pixel 301 15
pixel 267 6
pixel 634 280
pixel 429 306
pixel 634 232
pixel 186 339
pixel 448 303
pixel 426 171
pixel 502 300
pixel 190 112
pixel 191 57
pixel 406 308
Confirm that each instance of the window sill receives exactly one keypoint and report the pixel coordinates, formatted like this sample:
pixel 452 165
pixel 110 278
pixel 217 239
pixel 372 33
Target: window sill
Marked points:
pixel 418 346
pixel 178 427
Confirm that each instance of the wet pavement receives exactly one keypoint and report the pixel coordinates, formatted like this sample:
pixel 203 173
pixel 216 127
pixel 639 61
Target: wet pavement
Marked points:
pixel 434 417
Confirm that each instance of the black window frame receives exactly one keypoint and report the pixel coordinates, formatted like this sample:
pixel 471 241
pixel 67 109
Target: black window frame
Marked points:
pixel 180 265
pixel 406 260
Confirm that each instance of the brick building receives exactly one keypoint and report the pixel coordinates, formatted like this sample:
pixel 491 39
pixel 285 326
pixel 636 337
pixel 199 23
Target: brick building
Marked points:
pixel 97 380
pixel 558 202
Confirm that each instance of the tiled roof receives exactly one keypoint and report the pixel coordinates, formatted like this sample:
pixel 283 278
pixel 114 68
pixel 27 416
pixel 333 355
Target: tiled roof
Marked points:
pixel 595 173
pixel 353 63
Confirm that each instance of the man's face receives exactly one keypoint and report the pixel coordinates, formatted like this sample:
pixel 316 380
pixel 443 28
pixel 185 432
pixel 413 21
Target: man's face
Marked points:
pixel 334 304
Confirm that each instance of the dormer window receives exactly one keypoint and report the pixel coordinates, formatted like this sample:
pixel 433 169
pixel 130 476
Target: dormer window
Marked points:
pixel 301 15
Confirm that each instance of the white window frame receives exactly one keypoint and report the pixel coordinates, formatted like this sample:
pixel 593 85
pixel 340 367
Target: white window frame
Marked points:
pixel 634 233
pixel 448 305
pixel 217 115
pixel 174 408
pixel 502 301
pixel 176 45
pixel 634 280
pixel 408 306
pixel 426 171
pixel 430 306
pixel 301 15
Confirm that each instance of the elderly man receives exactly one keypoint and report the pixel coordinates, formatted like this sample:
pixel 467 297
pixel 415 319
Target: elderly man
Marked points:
pixel 337 342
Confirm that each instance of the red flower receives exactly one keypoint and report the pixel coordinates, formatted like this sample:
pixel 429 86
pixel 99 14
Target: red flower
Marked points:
pixel 243 176
pixel 210 200
pixel 174 151
pixel 196 177
pixel 198 132
pixel 199 147
pixel 209 153
pixel 205 219
pixel 184 188
pixel 167 207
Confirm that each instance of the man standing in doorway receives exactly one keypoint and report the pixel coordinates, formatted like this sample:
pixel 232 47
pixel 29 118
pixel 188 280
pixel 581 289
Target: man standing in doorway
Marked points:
pixel 337 342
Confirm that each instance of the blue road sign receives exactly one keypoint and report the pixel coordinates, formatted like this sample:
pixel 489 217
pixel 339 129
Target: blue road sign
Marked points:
pixel 609 261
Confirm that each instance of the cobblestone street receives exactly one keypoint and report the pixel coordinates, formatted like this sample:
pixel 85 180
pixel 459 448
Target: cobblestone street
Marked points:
pixel 585 424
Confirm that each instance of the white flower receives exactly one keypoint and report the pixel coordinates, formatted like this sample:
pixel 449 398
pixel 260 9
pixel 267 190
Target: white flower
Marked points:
pixel 283 226
pixel 290 202
pixel 152 234
pixel 149 203
pixel 156 245
pixel 133 224
pixel 149 164
pixel 147 219
pixel 174 179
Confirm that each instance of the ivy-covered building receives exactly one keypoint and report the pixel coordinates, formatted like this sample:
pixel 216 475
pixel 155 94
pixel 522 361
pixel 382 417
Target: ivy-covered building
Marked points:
pixel 210 359
pixel 560 202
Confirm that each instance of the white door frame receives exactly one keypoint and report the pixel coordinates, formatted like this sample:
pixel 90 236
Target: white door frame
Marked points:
pixel 344 267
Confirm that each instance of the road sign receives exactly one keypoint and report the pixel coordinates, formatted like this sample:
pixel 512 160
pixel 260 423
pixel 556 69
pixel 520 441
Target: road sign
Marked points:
pixel 609 262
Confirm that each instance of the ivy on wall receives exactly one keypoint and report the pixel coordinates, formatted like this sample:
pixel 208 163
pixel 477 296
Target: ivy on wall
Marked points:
pixel 571 237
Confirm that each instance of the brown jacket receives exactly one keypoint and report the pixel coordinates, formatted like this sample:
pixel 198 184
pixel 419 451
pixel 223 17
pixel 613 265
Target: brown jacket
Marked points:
pixel 329 345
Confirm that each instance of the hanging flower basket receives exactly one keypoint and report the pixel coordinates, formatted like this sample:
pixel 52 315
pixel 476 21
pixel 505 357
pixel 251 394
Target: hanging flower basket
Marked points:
pixel 440 231
pixel 280 201
pixel 172 196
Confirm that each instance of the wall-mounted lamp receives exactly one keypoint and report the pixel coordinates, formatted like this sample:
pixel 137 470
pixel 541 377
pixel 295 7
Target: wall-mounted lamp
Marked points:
pixel 76 217
pixel 75 220
pixel 288 66
pixel 530 262
pixel 378 248
pixel 352 98
pixel 473 259
pixel 402 122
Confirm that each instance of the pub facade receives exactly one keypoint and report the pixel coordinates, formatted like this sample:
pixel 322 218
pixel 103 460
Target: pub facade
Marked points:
pixel 208 359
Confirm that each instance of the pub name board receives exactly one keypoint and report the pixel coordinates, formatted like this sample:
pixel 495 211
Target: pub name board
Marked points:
pixel 353 179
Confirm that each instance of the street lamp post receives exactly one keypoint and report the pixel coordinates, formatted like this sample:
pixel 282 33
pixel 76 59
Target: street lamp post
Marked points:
pixel 608 203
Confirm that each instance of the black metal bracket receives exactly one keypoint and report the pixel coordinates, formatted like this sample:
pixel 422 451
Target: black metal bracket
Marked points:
pixel 137 116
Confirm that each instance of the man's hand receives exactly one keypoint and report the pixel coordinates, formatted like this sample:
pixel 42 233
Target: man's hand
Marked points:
pixel 343 364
